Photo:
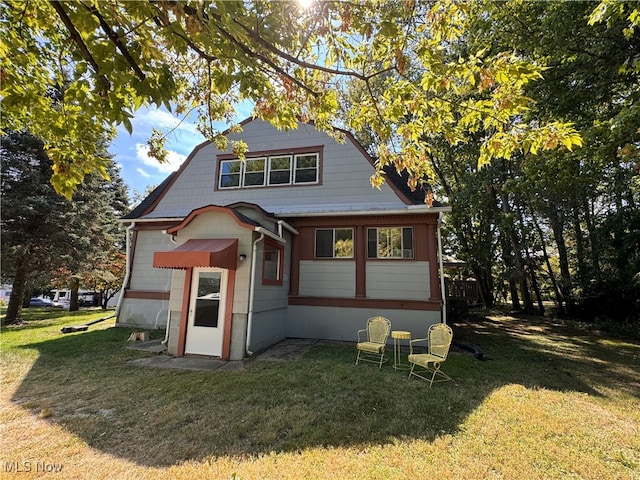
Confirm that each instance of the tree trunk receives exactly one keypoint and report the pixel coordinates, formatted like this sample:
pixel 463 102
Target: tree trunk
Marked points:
pixel 516 250
pixel 593 244
pixel 14 309
pixel 74 306
pixel 536 287
pixel 565 284
pixel 580 254
pixel 552 277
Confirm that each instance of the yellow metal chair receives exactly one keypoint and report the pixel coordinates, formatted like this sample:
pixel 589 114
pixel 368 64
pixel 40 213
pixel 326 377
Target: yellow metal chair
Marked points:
pixel 439 340
pixel 372 341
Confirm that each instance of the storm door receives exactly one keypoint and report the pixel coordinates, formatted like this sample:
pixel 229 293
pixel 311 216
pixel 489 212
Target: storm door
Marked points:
pixel 205 326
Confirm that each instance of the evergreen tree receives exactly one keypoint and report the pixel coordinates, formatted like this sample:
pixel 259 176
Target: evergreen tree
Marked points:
pixel 44 233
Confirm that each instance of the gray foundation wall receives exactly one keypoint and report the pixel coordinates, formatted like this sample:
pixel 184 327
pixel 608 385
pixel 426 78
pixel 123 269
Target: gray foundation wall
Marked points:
pixel 336 323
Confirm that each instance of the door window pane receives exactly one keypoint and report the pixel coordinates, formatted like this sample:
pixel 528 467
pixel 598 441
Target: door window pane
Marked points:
pixel 207 300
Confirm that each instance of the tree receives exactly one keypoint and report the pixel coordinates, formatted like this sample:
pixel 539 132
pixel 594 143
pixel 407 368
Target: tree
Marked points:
pixel 290 62
pixel 583 203
pixel 93 236
pixel 107 277
pixel 31 213
pixel 44 235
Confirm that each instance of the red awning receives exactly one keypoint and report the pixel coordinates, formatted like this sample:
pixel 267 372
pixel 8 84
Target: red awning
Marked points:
pixel 206 252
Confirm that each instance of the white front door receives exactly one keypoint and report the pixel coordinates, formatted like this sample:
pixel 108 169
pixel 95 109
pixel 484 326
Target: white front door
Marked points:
pixel 206 312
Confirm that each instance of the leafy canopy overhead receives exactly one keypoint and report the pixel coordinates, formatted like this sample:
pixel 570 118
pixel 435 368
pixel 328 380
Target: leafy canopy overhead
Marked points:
pixel 111 58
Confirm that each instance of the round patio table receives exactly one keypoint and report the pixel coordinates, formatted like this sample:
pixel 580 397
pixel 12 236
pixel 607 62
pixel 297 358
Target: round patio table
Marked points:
pixel 397 336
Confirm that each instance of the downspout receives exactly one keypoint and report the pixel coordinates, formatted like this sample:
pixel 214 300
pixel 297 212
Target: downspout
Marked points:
pixel 282 223
pixel 166 331
pixel 127 272
pixel 252 288
pixel 442 287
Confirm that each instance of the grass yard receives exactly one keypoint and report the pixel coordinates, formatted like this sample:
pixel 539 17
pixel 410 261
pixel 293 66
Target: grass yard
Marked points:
pixel 554 402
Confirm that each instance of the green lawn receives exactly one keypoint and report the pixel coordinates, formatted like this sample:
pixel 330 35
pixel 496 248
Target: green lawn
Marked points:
pixel 553 402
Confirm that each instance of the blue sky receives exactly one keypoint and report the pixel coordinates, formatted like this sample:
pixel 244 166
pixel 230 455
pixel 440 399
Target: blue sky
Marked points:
pixel 138 170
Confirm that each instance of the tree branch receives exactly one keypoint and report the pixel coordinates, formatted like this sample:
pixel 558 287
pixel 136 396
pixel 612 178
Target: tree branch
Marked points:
pixel 106 28
pixel 84 51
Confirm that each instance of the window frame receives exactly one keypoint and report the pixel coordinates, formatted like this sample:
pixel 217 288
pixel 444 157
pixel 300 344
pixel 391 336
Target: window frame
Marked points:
pixel 333 244
pixel 279 248
pixel 221 173
pixel 294 170
pixel 244 172
pixel 402 245
pixel 289 170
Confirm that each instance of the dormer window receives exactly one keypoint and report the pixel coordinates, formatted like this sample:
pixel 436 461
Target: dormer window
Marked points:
pixel 270 170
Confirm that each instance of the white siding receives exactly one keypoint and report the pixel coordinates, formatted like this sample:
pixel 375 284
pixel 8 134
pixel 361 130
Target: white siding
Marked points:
pixel 328 278
pixel 270 304
pixel 398 280
pixel 142 313
pixel 143 275
pixel 222 225
pixel 345 176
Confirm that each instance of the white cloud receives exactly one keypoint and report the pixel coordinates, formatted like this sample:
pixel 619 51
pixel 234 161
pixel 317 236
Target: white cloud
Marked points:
pixel 174 159
pixel 162 120
pixel 142 173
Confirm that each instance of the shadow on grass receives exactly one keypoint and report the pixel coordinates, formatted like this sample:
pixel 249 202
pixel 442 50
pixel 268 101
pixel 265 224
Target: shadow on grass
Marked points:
pixel 159 417
pixel 33 318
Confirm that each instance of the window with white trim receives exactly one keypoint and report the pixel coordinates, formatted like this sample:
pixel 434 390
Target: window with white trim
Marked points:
pixel 230 173
pixel 280 170
pixel 254 169
pixel 334 243
pixel 390 242
pixel 274 170
pixel 306 168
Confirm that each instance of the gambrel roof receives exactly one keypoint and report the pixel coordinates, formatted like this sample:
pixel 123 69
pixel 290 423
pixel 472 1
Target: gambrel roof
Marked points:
pixel 343 187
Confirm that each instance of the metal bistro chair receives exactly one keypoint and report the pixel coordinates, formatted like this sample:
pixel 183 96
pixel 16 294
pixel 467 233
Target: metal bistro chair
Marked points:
pixel 439 340
pixel 371 347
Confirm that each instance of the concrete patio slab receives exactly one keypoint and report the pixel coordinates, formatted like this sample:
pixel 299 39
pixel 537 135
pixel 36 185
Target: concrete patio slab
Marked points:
pixel 288 350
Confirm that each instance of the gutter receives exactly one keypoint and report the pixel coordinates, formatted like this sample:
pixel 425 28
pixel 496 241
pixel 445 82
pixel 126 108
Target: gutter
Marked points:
pixel 127 273
pixel 282 223
pixel 252 274
pixel 165 342
pixel 412 209
pixel 252 289
pixel 443 292
pixel 151 220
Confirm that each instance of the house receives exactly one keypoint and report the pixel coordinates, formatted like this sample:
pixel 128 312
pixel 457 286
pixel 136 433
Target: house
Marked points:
pixel 231 257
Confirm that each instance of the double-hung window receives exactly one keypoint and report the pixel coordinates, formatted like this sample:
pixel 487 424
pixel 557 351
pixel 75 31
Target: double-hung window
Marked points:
pixel 306 168
pixel 230 173
pixel 237 174
pixel 254 169
pixel 272 170
pixel 390 242
pixel 334 243
pixel 280 170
